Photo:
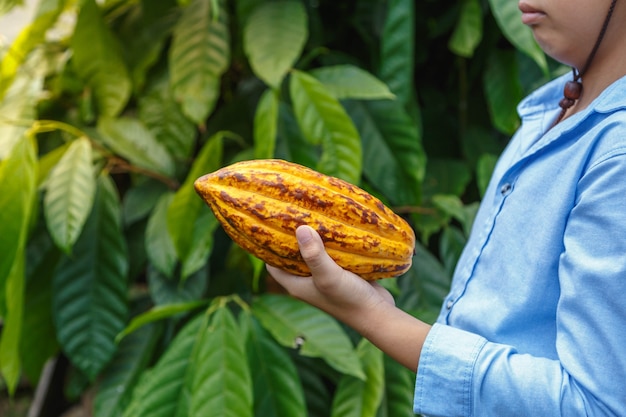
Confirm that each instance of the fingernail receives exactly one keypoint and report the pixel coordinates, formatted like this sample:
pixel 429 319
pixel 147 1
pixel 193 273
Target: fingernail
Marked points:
pixel 303 234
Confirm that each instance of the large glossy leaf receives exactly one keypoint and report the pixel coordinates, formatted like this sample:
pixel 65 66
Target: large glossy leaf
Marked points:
pixel 469 29
pixel 266 125
pixel 273 39
pixel 509 20
pixel 187 207
pixel 90 288
pixel 98 61
pixel 349 81
pixel 199 54
pixel 287 319
pixel 277 388
pixel 159 389
pixel 10 361
pixel 45 14
pixel 392 148
pixel 324 121
pixel 503 90
pixel 119 378
pixel 69 194
pixel 220 383
pixel 361 398
pixel 130 139
pixel 397 49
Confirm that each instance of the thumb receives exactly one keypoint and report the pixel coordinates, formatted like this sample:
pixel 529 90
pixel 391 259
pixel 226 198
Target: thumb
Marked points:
pixel 313 252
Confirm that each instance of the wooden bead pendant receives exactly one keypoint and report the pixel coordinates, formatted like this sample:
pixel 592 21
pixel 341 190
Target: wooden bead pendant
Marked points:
pixel 571 93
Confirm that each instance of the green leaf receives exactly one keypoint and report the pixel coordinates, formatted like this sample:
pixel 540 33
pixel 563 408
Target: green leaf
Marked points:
pixel 141 199
pixel 324 121
pixel 17 184
pixel 351 82
pixel 469 29
pixel 201 243
pixel 508 18
pixel 266 125
pixel 38 342
pixel 45 15
pixel 98 61
pixel 7 5
pixel 186 206
pixel 399 390
pixel 165 290
pixel 119 378
pixel 10 361
pixel 446 176
pixel 163 116
pixel 70 191
pixel 129 138
pixel 48 161
pixel 361 398
pixel 90 288
pixel 393 152
pixel 503 90
pixel 273 39
pixel 397 49
pixel 158 313
pixel 277 388
pixel 159 246
pixel 287 318
pixel 220 383
pixel 159 389
pixel 451 245
pixel 484 170
pixel 199 55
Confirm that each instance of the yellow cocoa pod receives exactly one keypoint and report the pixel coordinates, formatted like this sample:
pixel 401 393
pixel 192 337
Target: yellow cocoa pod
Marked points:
pixel 260 203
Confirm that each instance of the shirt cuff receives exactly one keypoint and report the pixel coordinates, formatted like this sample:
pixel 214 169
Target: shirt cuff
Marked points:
pixel 444 376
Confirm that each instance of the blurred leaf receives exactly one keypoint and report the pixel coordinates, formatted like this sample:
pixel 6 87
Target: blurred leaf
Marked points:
pixel 141 199
pixel 199 55
pixel 266 125
pixel 98 61
pixel 287 318
pixel 399 390
pixel 159 389
pixel 119 378
pixel 446 176
pixel 187 207
pixel 220 382
pixel 277 388
pixel 159 245
pixel 484 170
pixel 38 339
pixel 7 5
pixel 397 49
pixel 163 116
pixel 10 361
pixel 130 139
pixel 273 39
pixel 165 290
pixel 201 243
pixel 90 288
pixel 451 245
pixel 351 82
pixel 503 90
pixel 469 29
pixel 44 16
pixel 324 121
pixel 508 18
pixel 48 161
pixel 361 398
pixel 69 195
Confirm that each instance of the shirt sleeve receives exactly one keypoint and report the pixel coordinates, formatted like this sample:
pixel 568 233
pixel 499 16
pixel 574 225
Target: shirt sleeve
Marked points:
pixel 462 374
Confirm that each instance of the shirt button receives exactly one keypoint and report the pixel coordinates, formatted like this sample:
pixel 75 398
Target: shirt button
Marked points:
pixel 506 189
pixel 449 304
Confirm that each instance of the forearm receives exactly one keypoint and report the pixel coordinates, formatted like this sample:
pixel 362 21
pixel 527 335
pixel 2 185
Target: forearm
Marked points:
pixel 395 332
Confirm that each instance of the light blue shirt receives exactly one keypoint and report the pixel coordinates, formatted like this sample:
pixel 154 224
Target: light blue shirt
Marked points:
pixel 535 321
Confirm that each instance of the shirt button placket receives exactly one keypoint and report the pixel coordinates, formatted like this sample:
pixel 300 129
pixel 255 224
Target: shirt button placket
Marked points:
pixel 506 189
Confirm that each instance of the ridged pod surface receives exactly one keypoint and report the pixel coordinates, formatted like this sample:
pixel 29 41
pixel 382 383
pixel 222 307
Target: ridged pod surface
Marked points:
pixel 260 203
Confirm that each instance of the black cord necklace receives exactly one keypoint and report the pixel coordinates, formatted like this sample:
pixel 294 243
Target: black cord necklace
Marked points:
pixel 574 88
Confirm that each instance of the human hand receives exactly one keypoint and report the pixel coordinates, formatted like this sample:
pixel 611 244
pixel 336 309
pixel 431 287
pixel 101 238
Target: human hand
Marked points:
pixel 330 287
